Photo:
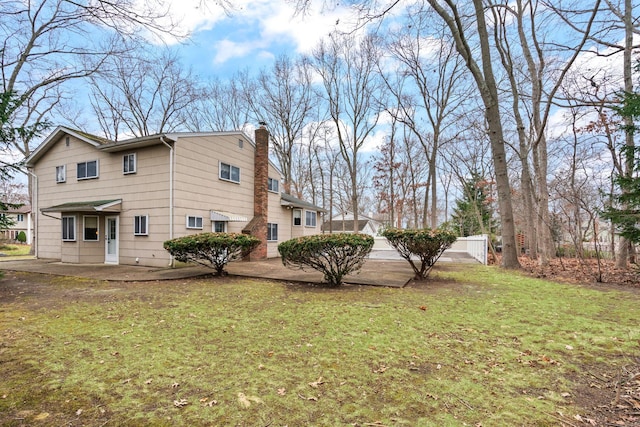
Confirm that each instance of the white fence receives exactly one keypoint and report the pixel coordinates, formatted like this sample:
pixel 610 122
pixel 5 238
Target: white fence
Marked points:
pixel 476 246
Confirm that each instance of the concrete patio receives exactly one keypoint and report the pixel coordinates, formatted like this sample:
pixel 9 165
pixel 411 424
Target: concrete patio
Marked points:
pixel 383 268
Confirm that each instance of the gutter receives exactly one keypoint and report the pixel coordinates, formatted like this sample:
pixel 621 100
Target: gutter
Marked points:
pixel 34 209
pixel 171 155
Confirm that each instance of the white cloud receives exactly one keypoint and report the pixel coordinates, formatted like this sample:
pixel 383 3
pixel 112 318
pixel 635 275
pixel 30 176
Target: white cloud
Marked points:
pixel 228 49
pixel 304 32
pixel 268 22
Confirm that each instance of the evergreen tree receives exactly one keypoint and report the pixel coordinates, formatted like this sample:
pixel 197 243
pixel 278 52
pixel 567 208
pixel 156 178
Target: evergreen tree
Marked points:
pixel 626 214
pixel 8 135
pixel 473 214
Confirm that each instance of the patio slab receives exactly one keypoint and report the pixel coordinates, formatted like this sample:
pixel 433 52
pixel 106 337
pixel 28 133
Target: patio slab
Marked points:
pixel 381 269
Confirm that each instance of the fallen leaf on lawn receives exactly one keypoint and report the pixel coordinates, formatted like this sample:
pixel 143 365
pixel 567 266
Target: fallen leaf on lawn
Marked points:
pixel 180 403
pixel 423 307
pixel 206 402
pixel 79 412
pixel 315 384
pixel 245 401
pixel 128 380
pixel 380 370
pixel 149 381
pixel 41 416
pixel 175 385
pixel 568 347
pixel 313 398
pixel 282 391
pixel 565 394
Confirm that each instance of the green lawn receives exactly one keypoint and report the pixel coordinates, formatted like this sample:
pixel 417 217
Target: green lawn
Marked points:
pixel 473 346
pixel 11 249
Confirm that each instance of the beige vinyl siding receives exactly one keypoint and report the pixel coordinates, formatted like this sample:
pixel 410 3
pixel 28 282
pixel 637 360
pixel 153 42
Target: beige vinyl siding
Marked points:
pixel 198 188
pixel 144 193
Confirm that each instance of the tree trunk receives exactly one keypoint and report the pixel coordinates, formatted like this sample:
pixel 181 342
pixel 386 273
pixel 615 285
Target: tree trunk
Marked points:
pixel 486 83
pixel 623 250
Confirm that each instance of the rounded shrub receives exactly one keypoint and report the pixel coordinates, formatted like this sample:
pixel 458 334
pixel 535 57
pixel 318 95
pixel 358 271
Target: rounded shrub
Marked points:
pixel 425 244
pixel 214 250
pixel 21 237
pixel 334 255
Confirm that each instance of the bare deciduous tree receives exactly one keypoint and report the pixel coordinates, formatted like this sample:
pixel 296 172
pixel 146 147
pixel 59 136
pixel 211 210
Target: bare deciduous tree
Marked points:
pixel 351 88
pixel 221 106
pixel 283 97
pixel 429 86
pixel 142 95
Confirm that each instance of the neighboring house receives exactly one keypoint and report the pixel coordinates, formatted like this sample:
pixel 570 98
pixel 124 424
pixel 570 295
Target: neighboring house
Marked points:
pixel 21 222
pixel 101 201
pixel 343 223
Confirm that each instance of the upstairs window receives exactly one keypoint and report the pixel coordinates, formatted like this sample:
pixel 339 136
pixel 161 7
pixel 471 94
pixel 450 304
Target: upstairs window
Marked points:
pixel 229 173
pixel 274 185
pixel 20 218
pixel 194 222
pixel 141 225
pixel 88 170
pixel 310 219
pixel 129 163
pixel 68 228
pixel 61 173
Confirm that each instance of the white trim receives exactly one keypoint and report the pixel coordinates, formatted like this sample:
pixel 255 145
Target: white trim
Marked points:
pixel 195 226
pixel 315 218
pixel 293 218
pixel 216 215
pixel 213 226
pixel 75 228
pixel 84 227
pixel 146 225
pixel 115 257
pixel 135 163
pixel 231 167
pixel 64 174
pixel 97 175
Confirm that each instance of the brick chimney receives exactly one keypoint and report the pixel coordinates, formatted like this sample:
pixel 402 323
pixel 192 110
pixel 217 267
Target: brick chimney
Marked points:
pixel 258 225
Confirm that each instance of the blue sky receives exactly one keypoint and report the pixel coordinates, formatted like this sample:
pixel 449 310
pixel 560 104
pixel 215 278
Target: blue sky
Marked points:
pixel 251 37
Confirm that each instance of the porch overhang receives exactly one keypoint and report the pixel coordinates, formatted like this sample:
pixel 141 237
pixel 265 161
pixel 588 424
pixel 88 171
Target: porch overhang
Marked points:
pixel 112 206
pixel 227 216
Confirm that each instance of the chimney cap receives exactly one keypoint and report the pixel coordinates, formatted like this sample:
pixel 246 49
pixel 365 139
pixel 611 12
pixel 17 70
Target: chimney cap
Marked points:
pixel 262 124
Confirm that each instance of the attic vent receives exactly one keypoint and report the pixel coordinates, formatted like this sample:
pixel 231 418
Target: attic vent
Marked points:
pixel 240 143
pixel 66 141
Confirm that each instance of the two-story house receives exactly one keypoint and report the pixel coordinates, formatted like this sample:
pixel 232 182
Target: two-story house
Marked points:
pixel 102 201
pixel 21 218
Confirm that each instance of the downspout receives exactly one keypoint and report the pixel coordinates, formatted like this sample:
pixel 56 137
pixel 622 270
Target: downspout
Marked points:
pixel 34 208
pixel 171 261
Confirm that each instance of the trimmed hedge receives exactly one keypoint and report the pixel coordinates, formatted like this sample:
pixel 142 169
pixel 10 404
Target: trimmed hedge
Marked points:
pixel 213 250
pixel 334 255
pixel 425 244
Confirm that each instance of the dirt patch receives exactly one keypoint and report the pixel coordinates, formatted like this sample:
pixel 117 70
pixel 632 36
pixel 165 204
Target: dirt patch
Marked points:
pixel 609 398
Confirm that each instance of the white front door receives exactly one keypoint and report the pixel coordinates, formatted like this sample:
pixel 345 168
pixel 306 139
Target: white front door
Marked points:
pixel 111 240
